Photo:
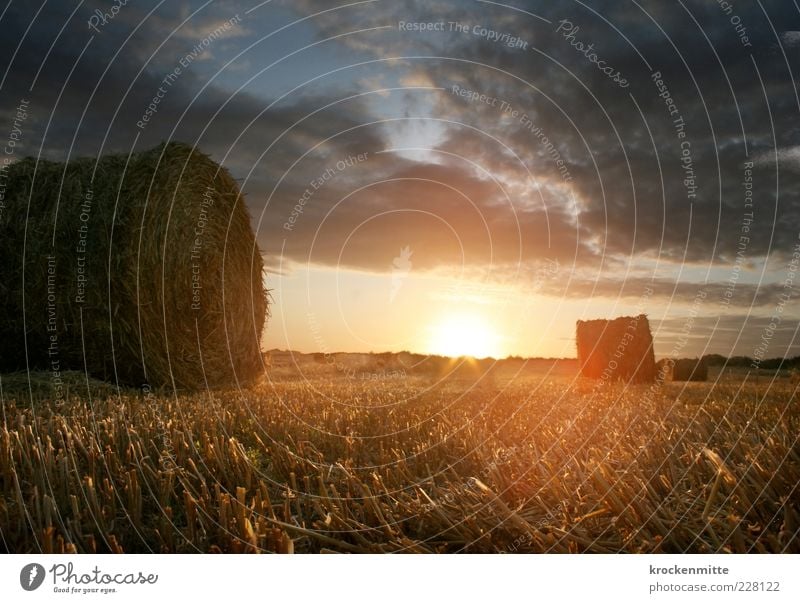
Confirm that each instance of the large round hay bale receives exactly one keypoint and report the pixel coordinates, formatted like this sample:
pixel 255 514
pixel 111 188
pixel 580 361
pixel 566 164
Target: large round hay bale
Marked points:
pixel 619 349
pixel 139 269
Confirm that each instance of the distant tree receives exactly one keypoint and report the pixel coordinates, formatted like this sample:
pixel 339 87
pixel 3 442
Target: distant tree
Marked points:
pixel 715 359
pixel 739 361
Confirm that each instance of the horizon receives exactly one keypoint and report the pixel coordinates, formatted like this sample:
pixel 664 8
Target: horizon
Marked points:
pixel 472 188
pixel 771 360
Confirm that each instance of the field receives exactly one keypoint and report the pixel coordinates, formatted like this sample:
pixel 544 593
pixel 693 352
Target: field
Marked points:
pixel 327 462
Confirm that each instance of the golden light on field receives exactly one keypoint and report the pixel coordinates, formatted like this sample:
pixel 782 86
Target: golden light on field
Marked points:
pixel 464 334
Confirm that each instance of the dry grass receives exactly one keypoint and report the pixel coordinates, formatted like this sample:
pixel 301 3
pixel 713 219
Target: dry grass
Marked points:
pixel 404 466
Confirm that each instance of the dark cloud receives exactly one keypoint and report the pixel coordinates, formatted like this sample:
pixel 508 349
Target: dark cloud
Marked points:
pixel 621 144
pixel 716 295
pixel 736 334
pixel 492 192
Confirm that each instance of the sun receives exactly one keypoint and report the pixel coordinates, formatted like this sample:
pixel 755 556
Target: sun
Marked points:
pixel 464 335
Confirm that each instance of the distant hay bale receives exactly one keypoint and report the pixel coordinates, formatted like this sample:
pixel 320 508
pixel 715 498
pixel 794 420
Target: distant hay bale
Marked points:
pixel 664 369
pixel 140 269
pixel 689 369
pixel 619 349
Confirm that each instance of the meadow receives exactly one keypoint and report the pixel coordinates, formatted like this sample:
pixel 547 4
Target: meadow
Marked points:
pixel 316 461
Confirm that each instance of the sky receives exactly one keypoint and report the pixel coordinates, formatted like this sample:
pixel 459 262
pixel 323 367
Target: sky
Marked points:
pixel 461 176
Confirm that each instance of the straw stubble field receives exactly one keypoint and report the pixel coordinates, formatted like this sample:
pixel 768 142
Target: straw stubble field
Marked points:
pixel 413 465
